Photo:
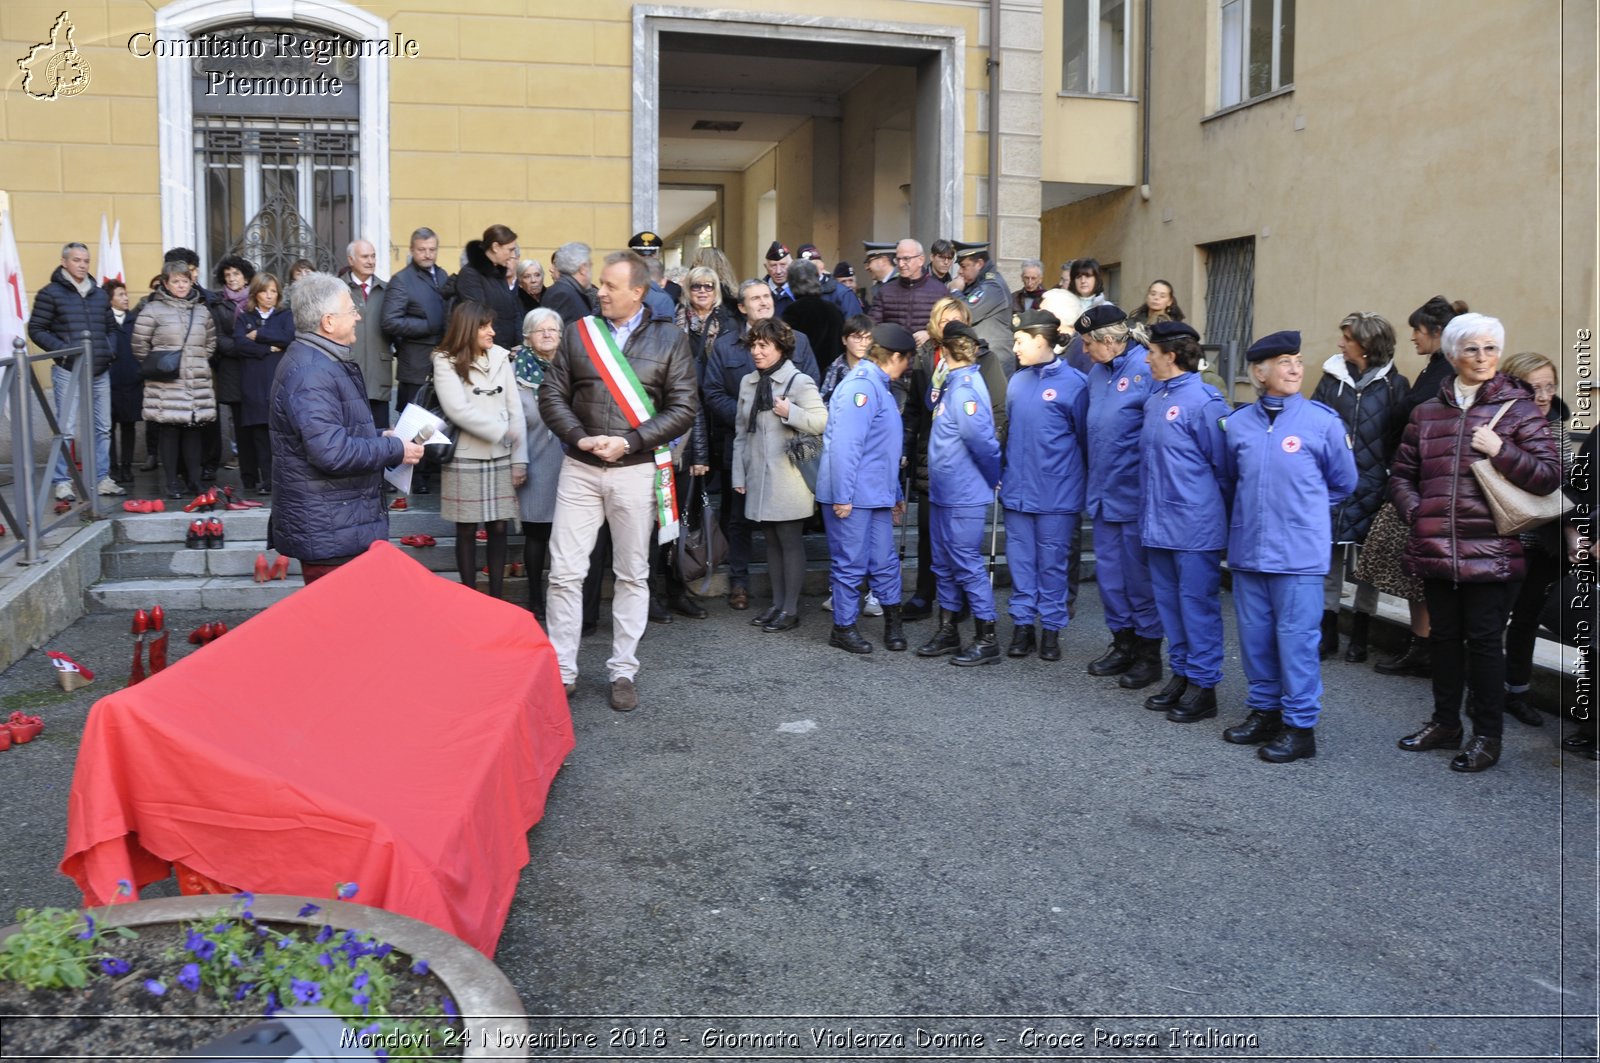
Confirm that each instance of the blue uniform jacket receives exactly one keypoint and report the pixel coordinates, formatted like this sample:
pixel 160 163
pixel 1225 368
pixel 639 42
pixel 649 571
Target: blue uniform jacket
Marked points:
pixel 1181 473
pixel 963 453
pixel 861 445
pixel 1284 478
pixel 1117 391
pixel 1046 410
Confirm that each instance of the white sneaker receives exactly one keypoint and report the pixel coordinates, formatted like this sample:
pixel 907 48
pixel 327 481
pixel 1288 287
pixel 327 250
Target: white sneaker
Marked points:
pixel 64 491
pixel 108 486
pixel 873 607
pixel 827 603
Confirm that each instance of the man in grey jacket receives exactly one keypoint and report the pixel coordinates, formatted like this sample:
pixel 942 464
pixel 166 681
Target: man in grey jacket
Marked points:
pixel 371 350
pixel 609 473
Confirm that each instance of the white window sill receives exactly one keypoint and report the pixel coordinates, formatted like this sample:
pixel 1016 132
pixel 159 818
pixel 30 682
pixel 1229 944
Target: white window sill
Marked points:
pixel 1251 102
pixel 1096 96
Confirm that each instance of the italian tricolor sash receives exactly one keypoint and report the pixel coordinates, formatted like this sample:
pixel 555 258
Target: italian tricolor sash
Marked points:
pixel 636 406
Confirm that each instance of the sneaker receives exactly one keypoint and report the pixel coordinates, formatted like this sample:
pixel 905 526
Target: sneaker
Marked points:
pixel 64 491
pixel 873 606
pixel 623 696
pixel 827 603
pixel 108 486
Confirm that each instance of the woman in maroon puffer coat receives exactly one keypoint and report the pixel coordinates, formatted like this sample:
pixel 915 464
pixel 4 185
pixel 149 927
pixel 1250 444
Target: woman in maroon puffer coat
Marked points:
pixel 1468 569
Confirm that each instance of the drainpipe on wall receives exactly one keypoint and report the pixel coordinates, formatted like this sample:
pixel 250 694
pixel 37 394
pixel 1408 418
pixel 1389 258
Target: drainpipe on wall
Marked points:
pixel 1144 109
pixel 993 69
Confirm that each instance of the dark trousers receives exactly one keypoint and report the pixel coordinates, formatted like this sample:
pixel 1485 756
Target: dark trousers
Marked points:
pixel 535 555
pixel 122 443
pixel 260 441
pixel 661 554
pixel 404 395
pixel 1469 621
pixel 736 529
pixel 380 412
pixel 211 444
pixel 925 589
pixel 249 458
pixel 1523 631
pixel 187 441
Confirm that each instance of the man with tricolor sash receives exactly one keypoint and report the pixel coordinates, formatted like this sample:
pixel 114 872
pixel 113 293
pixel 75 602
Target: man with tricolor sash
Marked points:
pixel 620 389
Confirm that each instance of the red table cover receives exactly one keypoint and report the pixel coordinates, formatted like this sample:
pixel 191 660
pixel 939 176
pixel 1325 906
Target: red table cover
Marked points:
pixel 383 726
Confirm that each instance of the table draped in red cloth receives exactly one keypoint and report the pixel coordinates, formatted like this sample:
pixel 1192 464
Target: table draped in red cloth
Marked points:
pixel 383 726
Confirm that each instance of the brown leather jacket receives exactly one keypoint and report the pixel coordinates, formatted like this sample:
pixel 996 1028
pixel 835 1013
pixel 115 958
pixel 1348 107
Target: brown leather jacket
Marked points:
pixel 575 403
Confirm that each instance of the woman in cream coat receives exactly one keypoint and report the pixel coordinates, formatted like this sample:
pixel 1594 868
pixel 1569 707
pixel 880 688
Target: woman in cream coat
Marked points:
pixel 477 393
pixel 776 402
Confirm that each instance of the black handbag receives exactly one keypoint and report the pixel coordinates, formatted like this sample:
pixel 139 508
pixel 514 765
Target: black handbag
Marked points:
pixel 803 450
pixel 701 546
pixel 434 453
pixel 163 364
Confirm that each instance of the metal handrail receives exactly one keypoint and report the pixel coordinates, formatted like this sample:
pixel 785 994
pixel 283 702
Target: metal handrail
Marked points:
pixel 20 385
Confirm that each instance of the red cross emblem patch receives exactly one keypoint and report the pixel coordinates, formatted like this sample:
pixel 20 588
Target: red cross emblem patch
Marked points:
pixel 1291 444
pixel 1122 385
pixel 1172 413
pixel 1049 394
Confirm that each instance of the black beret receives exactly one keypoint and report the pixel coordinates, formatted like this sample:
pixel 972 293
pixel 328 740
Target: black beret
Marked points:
pixel 777 251
pixel 844 269
pixel 1167 331
pixel 953 329
pixel 1099 317
pixel 1032 319
pixel 1285 342
pixel 964 250
pixel 645 243
pixel 894 337
pixel 875 248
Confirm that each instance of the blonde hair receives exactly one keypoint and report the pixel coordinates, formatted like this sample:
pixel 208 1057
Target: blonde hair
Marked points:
pixel 943 306
pixel 1524 364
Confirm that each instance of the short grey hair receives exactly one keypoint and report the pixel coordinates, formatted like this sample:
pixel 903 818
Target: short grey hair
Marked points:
pixel 1372 333
pixel 1034 264
pixel 423 233
pixel 1464 327
pixel 1116 332
pixel 524 265
pixel 172 267
pixel 313 297
pixel 350 248
pixel 805 278
pixel 753 283
pixel 657 268
pixel 67 249
pixel 571 257
pixel 535 317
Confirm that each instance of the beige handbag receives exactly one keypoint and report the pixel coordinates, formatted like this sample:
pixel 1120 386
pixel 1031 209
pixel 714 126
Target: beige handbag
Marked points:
pixel 1515 510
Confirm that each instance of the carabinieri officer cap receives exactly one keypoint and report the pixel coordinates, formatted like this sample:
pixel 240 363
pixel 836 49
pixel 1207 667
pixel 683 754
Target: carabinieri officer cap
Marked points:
pixel 1286 342
pixel 965 250
pixel 1167 331
pixel 875 248
pixel 1099 317
pixel 645 243
pixel 777 252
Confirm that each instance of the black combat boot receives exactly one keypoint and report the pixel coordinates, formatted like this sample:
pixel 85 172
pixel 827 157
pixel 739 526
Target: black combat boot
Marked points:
pixel 945 637
pixel 1356 652
pixel 1260 726
pixel 1292 744
pixel 1168 695
pixel 1416 659
pixel 1146 665
pixel 894 632
pixel 1021 641
pixel 1049 645
pixel 1330 635
pixel 1118 656
pixel 849 640
pixel 1197 703
pixel 985 649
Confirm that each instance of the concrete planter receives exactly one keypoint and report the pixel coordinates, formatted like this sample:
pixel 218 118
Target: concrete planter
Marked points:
pixel 491 1011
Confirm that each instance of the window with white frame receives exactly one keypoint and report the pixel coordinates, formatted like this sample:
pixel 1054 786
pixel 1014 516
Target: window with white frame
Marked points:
pixel 1257 49
pixel 1094 47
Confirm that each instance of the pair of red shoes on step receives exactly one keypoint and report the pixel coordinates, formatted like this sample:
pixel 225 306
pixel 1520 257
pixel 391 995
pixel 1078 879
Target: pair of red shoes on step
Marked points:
pixel 418 540
pixel 151 623
pixel 204 534
pixel 207 632
pixel 144 505
pixel 266 572
pixel 234 502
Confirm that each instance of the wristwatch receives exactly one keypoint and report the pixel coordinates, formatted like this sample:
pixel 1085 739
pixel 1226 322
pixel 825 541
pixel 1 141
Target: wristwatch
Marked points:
pixel 626 448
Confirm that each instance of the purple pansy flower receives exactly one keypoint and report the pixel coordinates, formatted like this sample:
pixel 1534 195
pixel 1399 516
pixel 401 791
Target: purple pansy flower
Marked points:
pixel 189 977
pixel 113 966
pixel 348 890
pixel 306 992
pixel 324 935
pixel 308 910
pixel 155 987
pixel 124 887
pixel 420 967
pixel 361 980
pixel 449 1008
pixel 88 928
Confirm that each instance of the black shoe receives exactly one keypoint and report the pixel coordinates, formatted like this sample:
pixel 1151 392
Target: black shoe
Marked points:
pixel 1168 696
pixel 1292 744
pixel 916 609
pixel 1579 742
pixel 208 473
pixel 1432 736
pixel 1522 710
pixel 421 487
pixel 658 612
pixel 1117 659
pixel 1260 726
pixel 1021 641
pixel 265 488
pixel 1417 660
pixel 151 463
pixel 1481 754
pixel 684 605
pixel 763 619
pixel 849 640
pixel 985 649
pixel 1198 703
pixel 1146 665
pixel 1356 652
pixel 894 632
pixel 782 622
pixel 945 638
pixel 1049 645
pixel 1330 635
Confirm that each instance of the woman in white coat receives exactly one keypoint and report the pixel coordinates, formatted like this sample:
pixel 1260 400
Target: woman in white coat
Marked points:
pixel 777 402
pixel 477 392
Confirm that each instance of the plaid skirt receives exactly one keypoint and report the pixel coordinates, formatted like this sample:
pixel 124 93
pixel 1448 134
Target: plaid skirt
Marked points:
pixel 474 491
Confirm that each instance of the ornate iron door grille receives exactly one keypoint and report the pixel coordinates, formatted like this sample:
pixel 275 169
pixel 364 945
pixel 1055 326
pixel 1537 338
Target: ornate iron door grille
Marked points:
pixel 1230 302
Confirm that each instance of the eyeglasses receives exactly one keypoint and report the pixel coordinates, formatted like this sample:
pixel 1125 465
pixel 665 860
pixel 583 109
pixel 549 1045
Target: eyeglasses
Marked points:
pixel 341 313
pixel 702 287
pixel 1544 391
pixel 1488 350
pixel 906 258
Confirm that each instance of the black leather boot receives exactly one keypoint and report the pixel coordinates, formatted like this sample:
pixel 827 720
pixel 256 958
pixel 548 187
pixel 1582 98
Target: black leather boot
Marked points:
pixel 1292 744
pixel 1049 645
pixel 945 637
pixel 1021 641
pixel 1146 665
pixel 849 640
pixel 1356 652
pixel 1198 703
pixel 1330 635
pixel 1168 695
pixel 985 649
pixel 894 632
pixel 1416 659
pixel 1118 657
pixel 1260 726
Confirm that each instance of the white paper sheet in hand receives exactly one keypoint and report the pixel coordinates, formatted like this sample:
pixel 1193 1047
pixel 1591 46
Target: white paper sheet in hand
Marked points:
pixel 413 419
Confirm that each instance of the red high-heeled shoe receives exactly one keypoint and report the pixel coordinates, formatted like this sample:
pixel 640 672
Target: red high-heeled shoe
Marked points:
pixel 141 624
pixel 158 645
pixel 218 629
pixel 280 568
pixel 201 635
pixel 263 570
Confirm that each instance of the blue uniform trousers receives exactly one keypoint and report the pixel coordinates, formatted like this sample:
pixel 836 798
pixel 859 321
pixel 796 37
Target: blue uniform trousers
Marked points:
pixel 1124 577
pixel 1280 618
pixel 1037 554
pixel 862 548
pixel 958 559
pixel 1186 584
